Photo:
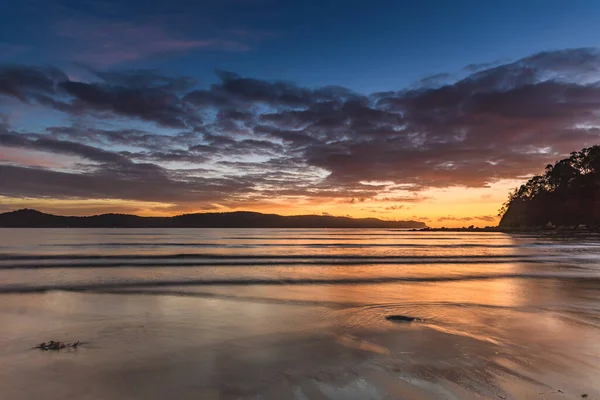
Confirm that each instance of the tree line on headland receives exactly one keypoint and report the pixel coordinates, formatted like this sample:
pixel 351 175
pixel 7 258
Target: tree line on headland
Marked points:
pixel 566 194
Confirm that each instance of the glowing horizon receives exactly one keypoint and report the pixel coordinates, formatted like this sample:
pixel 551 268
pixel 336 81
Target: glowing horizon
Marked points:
pixel 476 207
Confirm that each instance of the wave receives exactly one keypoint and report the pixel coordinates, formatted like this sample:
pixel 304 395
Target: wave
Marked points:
pixel 348 236
pixel 207 260
pixel 261 264
pixel 17 257
pixel 15 289
pixel 248 245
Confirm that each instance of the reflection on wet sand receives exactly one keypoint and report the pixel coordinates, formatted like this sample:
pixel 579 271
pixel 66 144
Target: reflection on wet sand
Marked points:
pixel 530 334
pixel 472 342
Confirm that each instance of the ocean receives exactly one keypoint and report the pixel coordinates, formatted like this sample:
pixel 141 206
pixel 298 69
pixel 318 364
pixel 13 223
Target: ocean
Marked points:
pixel 298 314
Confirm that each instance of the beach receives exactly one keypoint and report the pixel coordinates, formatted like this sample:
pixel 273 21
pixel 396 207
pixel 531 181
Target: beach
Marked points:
pixel 298 314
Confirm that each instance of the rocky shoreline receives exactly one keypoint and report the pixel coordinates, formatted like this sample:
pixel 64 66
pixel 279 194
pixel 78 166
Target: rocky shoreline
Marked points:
pixel 526 229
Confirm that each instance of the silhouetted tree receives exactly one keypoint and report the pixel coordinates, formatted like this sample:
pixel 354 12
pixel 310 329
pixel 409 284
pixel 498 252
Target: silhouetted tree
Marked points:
pixel 568 193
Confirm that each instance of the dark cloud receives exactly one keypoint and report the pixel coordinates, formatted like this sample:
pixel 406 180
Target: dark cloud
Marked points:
pixel 397 207
pixel 498 123
pixel 435 80
pixel 62 147
pixel 125 137
pixel 273 138
pixel 152 104
pixel 255 90
pixel 26 83
pixel 234 115
pixel 486 65
pixel 31 182
pixel 141 94
pixel 236 91
pixel 207 98
pixel 226 146
pixel 403 199
pixel 179 156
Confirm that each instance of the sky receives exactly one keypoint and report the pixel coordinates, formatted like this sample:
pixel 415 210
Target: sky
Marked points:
pixel 423 110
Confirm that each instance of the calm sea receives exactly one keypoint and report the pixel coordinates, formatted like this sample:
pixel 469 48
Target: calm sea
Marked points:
pixel 298 313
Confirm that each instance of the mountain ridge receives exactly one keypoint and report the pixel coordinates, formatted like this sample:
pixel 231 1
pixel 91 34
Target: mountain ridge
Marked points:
pixel 29 218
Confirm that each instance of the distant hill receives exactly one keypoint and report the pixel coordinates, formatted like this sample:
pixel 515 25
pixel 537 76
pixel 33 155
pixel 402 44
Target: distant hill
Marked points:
pixel 567 194
pixel 27 218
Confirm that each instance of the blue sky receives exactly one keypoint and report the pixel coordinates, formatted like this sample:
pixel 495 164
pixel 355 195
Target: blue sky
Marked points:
pixel 364 45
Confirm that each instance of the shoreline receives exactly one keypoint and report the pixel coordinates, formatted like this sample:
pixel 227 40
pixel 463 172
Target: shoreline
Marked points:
pixel 533 230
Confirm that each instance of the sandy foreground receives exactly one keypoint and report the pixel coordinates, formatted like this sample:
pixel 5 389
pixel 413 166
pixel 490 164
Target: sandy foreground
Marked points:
pixel 223 345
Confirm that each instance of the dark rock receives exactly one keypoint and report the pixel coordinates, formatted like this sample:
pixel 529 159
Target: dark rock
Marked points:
pixel 52 345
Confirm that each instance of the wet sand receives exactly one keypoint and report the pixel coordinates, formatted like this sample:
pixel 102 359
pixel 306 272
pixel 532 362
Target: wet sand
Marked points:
pixel 257 345
pixel 205 326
